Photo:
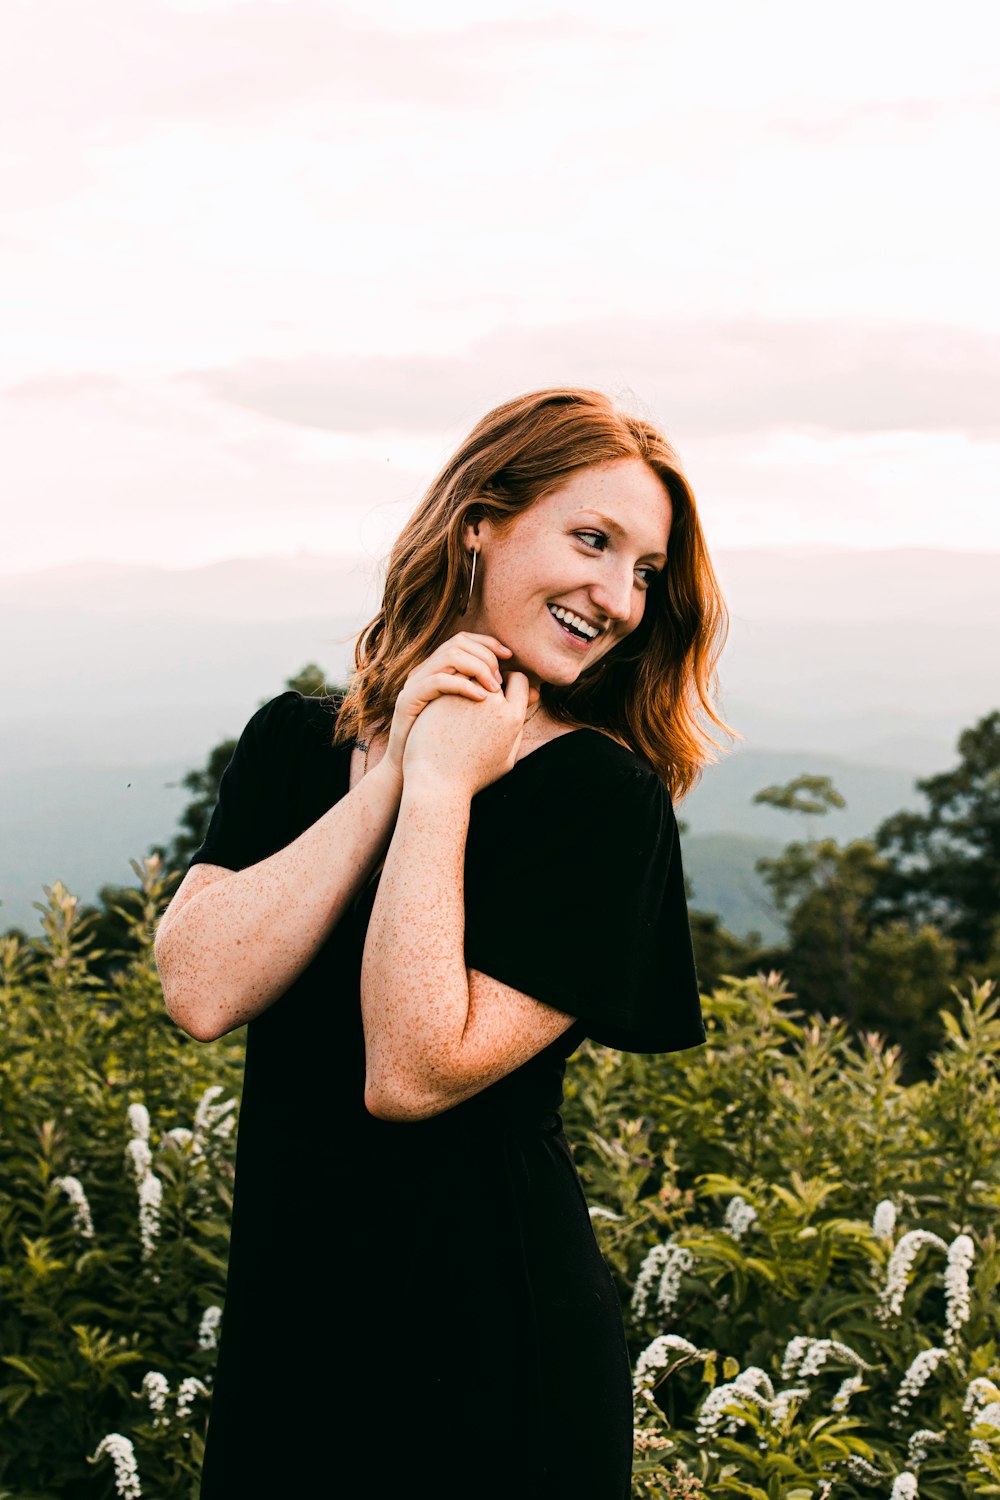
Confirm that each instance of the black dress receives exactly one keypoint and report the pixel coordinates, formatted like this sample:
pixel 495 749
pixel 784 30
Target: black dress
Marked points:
pixel 422 1308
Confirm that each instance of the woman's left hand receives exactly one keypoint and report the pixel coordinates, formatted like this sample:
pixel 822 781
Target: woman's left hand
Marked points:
pixel 467 745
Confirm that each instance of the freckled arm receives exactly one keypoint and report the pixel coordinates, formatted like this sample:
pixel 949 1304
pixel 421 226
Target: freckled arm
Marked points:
pixel 231 942
pixel 414 983
pixel 436 1032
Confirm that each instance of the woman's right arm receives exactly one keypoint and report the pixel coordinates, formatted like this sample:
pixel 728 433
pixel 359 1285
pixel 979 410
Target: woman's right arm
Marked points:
pixel 232 941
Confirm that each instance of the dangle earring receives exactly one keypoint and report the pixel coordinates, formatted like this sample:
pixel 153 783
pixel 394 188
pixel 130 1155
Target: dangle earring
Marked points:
pixel 472 580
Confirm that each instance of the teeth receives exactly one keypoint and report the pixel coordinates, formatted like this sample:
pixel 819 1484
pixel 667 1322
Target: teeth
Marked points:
pixel 590 631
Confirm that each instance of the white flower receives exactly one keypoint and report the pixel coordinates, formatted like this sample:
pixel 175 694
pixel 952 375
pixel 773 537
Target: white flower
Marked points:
pixel 739 1216
pixel 905 1487
pixel 845 1390
pixel 208 1330
pixel 980 1392
pixel 209 1117
pixel 860 1469
pixel 156 1389
pixel 794 1353
pixel 597 1212
pixel 656 1356
pixel 987 1416
pixel 784 1399
pixel 806 1356
pixel 823 1349
pixel 138 1121
pixel 150 1199
pixel 916 1377
pixel 678 1261
pixel 189 1387
pixel 119 1449
pixel 897 1273
pixel 721 1402
pixel 920 1443
pixel 73 1188
pixel 179 1136
pixel 961 1253
pixel 884 1220
pixel 138 1157
pixel 663 1268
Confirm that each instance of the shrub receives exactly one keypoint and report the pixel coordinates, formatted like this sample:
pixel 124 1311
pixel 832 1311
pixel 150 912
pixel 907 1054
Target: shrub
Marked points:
pixel 805 1251
pixel 116 1147
pixel 803 1244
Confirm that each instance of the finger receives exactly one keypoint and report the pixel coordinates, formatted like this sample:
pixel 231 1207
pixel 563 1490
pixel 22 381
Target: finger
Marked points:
pixel 479 662
pixel 450 682
pixel 461 655
pixel 460 663
pixel 516 691
pixel 489 640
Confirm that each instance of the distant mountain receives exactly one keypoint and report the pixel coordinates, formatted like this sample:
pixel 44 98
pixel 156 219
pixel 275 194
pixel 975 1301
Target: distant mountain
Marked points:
pixel 861 665
pixel 80 825
pixel 720 872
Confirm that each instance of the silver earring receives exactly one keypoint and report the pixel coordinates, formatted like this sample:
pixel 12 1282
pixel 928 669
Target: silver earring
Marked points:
pixel 472 580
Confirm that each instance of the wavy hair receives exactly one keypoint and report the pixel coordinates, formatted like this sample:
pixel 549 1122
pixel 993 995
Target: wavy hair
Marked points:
pixel 655 689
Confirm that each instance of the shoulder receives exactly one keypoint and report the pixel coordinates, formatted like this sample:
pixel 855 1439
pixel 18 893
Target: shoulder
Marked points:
pixel 585 792
pixel 291 715
pixel 589 762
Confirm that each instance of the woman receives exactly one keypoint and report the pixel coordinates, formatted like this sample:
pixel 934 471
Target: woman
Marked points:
pixel 422 899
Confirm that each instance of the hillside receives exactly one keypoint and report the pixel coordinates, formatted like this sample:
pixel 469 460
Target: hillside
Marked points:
pixel 861 665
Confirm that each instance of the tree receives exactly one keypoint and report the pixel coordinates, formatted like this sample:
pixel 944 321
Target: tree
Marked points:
pixel 890 975
pixel 823 887
pixel 943 865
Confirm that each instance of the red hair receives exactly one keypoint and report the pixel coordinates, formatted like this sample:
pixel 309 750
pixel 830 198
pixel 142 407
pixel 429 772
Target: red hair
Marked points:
pixel 653 688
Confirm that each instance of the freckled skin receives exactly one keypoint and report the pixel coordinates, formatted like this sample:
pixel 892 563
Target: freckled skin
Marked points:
pixel 231 943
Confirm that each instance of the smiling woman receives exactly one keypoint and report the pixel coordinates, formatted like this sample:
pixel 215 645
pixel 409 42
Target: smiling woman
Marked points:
pixel 397 893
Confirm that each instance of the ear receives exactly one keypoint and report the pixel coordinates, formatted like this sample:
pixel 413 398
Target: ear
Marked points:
pixel 471 537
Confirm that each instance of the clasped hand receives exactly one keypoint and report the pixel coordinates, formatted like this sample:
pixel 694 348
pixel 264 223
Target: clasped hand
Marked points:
pixel 457 721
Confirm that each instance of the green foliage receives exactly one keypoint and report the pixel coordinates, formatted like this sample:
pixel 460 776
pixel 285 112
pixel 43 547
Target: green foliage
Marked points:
pixel 86 1308
pixel 943 865
pixel 810 795
pixel 733 1190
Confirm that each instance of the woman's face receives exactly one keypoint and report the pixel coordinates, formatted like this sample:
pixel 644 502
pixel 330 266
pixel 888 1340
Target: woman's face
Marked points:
pixel 586 552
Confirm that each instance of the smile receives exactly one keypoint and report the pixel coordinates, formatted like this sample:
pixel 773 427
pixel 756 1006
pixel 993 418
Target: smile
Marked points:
pixel 577 629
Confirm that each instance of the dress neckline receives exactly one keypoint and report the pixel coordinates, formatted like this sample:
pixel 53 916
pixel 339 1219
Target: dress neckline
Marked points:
pixel 556 739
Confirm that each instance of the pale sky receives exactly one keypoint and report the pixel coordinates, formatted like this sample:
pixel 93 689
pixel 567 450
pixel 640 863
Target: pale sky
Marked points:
pixel 264 262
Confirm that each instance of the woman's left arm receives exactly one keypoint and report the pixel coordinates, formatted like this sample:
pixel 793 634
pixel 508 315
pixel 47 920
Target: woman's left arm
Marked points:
pixel 435 1031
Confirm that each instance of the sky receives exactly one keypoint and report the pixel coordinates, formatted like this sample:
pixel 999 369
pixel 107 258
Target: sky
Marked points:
pixel 264 262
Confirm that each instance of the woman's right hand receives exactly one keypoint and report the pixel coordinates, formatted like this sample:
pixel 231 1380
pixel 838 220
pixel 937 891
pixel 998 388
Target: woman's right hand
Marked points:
pixel 465 664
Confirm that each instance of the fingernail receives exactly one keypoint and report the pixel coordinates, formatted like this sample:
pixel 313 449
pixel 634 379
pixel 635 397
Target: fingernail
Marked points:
pixel 498 679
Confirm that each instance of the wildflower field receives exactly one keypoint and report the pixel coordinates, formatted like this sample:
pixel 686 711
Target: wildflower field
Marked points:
pixel 804 1246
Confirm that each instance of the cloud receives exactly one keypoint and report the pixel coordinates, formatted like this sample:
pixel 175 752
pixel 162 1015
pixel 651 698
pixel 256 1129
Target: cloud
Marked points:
pixel 132 63
pixel 703 379
pixel 61 387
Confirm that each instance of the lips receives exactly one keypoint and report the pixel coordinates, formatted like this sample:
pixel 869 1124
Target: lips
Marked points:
pixel 576 622
pixel 570 638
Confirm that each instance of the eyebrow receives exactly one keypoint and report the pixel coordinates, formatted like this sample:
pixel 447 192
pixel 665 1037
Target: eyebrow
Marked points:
pixel 618 530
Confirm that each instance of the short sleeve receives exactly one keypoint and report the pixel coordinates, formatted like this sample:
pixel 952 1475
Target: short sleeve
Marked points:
pixel 243 828
pixel 576 897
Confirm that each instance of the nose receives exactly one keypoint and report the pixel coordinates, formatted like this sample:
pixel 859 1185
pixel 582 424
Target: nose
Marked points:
pixel 612 593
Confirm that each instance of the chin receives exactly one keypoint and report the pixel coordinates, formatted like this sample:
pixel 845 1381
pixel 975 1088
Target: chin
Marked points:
pixel 552 673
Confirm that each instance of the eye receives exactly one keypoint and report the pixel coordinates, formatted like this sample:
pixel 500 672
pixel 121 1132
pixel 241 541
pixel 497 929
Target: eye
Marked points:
pixel 649 575
pixel 600 535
